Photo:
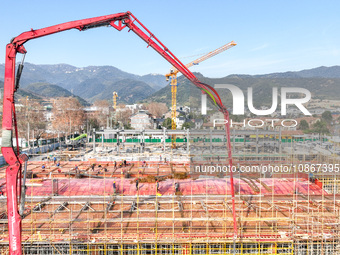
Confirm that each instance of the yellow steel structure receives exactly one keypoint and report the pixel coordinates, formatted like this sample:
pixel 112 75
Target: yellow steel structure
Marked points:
pixel 173 76
pixel 115 95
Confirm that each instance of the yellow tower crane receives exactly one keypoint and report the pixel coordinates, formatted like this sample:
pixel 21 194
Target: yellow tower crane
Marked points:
pixel 173 76
pixel 115 95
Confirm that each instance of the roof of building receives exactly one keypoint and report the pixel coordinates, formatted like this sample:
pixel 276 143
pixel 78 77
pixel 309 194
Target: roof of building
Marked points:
pixel 141 112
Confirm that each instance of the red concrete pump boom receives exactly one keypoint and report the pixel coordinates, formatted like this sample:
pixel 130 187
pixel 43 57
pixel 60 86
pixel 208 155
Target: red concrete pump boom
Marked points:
pixel 11 85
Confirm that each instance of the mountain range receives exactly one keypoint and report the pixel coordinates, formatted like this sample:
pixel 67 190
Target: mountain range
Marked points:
pixel 50 90
pixel 90 83
pixel 322 82
pixel 93 83
pixel 319 72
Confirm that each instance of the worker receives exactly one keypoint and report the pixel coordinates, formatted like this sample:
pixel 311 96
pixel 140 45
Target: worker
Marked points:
pixel 54 159
pixel 115 164
pixel 114 187
pixel 157 185
pixel 137 182
pixel 177 187
pixel 92 167
pixel 125 162
pixel 43 166
pixel 105 169
pixel 160 157
pixel 58 164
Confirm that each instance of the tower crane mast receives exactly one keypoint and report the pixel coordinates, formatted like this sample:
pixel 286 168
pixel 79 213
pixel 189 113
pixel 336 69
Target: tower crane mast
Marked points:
pixel 115 95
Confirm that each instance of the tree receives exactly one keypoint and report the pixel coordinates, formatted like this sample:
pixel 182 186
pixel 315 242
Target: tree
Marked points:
pixel 68 115
pixel 187 125
pixel 167 123
pixel 127 126
pixel 320 127
pixel 123 115
pixel 327 116
pixel 102 113
pixel 304 125
pixel 31 116
pixel 157 109
pixel 104 104
pixel 92 122
pixel 194 102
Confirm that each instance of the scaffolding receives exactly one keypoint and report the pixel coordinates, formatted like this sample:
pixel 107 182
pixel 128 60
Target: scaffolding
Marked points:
pixel 73 209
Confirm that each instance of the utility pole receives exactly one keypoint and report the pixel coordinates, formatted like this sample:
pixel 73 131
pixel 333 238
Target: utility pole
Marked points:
pixel 94 139
pixel 33 141
pixel 70 128
pixel 164 138
pixel 188 140
pixel 28 135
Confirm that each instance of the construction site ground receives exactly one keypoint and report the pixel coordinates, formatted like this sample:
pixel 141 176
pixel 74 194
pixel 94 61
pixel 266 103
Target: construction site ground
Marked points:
pixel 73 207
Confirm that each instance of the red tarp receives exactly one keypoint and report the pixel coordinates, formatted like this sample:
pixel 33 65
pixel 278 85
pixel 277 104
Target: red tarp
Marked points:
pixel 82 187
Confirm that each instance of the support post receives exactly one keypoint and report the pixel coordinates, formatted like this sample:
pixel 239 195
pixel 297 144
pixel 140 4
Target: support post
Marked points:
pixel 188 141
pixel 94 139
pixel 164 138
pixel 28 135
pixel 280 141
pixel 257 141
pixel 142 142
pixel 33 141
pixel 210 141
pixel 118 143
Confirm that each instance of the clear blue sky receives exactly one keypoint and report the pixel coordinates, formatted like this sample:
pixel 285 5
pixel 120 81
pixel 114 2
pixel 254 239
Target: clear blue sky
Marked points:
pixel 272 36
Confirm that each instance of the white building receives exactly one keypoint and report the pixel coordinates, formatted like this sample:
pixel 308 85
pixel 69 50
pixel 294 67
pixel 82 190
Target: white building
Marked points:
pixel 142 120
pixel 134 107
pixel 180 121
